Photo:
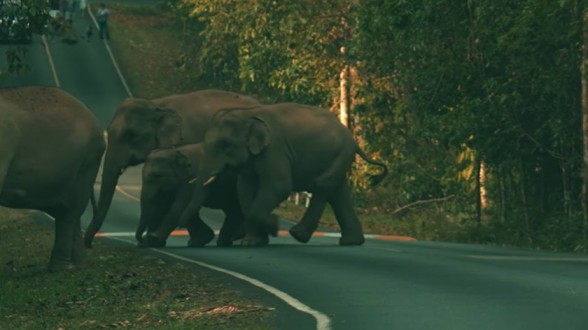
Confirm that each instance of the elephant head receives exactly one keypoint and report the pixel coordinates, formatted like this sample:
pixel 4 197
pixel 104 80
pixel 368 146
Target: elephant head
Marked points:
pixel 164 171
pixel 234 139
pixel 137 128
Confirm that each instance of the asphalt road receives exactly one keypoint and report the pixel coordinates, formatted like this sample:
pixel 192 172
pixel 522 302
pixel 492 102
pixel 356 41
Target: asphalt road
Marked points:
pixel 384 284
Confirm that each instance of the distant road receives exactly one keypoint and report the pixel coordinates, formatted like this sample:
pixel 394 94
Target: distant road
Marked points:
pixel 384 284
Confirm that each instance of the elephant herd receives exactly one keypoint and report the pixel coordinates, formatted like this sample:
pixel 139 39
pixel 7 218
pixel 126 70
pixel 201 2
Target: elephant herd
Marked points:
pixel 207 148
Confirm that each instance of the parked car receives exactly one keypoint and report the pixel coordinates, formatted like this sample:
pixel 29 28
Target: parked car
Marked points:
pixel 15 25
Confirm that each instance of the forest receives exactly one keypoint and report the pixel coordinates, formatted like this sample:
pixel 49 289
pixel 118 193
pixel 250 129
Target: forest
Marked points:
pixel 476 106
pixel 479 108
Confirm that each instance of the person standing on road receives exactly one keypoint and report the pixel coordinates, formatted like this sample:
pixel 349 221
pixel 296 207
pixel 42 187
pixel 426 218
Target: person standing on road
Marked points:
pixel 83 5
pixel 102 18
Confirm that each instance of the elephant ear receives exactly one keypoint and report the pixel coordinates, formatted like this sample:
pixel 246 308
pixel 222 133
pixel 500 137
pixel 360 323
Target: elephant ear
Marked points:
pixel 168 128
pixel 258 136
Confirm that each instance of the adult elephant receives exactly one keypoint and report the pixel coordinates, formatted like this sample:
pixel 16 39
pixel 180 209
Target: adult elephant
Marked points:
pixel 282 148
pixel 167 189
pixel 140 126
pixel 51 146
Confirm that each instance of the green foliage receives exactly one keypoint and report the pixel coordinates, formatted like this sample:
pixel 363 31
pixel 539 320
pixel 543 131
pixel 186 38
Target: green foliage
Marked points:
pixel 459 98
pixel 498 79
pixel 37 12
pixel 278 50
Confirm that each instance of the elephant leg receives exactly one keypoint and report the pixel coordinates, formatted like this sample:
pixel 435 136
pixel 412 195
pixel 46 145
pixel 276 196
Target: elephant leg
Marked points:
pixel 257 205
pixel 351 230
pixel 200 233
pixel 68 247
pixel 254 235
pixel 158 237
pixel 303 230
pixel 152 211
pixel 61 255
pixel 233 228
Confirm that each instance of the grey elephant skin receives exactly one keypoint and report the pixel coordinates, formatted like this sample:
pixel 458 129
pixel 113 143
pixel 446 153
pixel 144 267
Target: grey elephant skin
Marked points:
pixel 167 189
pixel 140 126
pixel 279 149
pixel 51 146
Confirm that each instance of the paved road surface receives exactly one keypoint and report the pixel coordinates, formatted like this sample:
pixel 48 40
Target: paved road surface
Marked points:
pixel 381 285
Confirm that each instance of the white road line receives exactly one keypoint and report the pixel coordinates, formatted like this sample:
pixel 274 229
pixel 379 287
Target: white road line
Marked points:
pixel 122 78
pixel 323 322
pixel 51 63
pixel 126 194
pixel 530 258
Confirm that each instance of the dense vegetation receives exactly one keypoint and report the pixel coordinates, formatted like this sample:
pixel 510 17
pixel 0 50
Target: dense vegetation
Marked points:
pixel 476 106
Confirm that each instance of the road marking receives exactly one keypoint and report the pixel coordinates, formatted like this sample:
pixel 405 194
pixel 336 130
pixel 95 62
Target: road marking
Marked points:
pixel 51 63
pixel 530 258
pixel 133 187
pixel 382 249
pixel 122 78
pixel 323 322
pixel 126 194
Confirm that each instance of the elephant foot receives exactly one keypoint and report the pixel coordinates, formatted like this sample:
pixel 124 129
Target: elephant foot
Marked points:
pixel 300 234
pixel 269 224
pixel 346 240
pixel 251 241
pixel 238 233
pixel 88 238
pixel 224 241
pixel 59 266
pixel 200 238
pixel 151 240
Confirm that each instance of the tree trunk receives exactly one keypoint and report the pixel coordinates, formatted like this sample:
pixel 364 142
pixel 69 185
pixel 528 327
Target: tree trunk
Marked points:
pixel 344 94
pixel 478 191
pixel 526 225
pixel 502 187
pixel 481 196
pixel 583 71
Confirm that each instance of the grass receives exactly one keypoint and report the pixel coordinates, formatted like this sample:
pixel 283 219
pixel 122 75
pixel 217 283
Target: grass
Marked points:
pixel 148 45
pixel 116 288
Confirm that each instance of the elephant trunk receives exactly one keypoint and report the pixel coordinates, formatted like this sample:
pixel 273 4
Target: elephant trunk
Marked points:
pixel 110 174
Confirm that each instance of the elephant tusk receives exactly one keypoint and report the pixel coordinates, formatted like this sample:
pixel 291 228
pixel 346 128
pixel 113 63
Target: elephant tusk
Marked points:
pixel 209 181
pixel 193 180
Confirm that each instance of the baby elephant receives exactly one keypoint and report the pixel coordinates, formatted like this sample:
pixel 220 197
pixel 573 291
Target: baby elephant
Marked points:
pixel 51 145
pixel 167 189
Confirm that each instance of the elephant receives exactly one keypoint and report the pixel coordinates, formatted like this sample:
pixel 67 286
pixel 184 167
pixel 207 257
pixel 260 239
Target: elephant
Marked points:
pixel 140 126
pixel 278 149
pixel 166 190
pixel 51 146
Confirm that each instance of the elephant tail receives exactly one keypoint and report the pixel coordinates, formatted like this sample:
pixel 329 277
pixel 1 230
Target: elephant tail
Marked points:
pixel 376 178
